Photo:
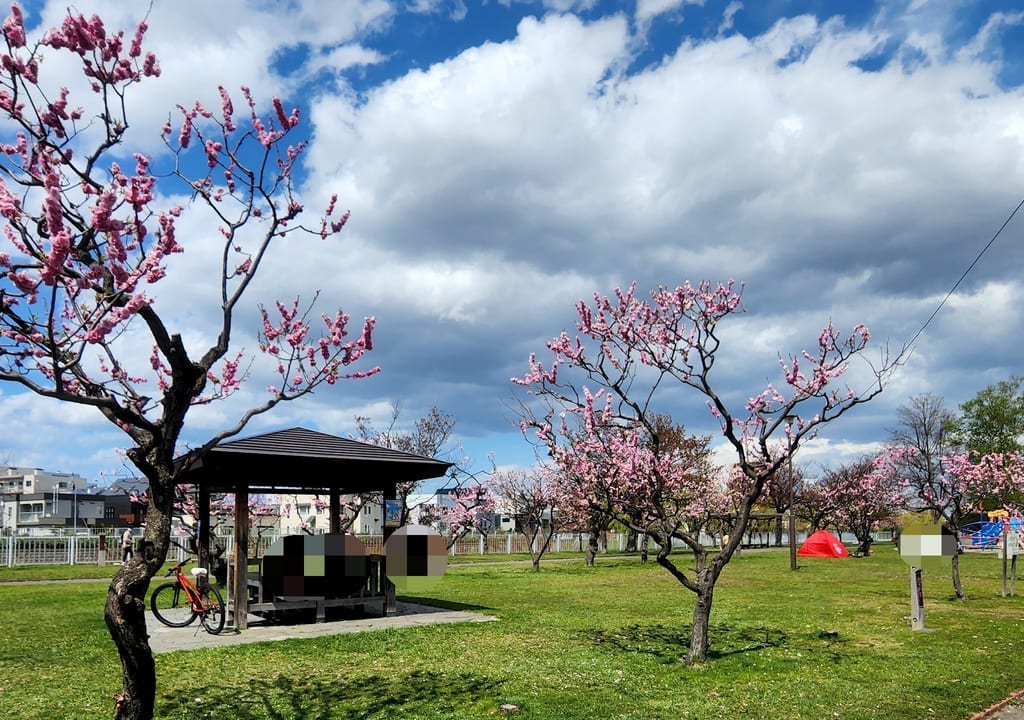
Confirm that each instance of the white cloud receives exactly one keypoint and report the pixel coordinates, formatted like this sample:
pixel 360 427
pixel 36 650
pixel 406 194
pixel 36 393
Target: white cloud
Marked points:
pixel 493 189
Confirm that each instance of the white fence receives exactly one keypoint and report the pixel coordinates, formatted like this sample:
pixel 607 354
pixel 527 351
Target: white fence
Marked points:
pixel 85 549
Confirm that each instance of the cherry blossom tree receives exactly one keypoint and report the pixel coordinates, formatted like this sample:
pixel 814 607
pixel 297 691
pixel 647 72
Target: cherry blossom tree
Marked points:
pixel 532 497
pixel 957 489
pixel 682 497
pixel 862 499
pixel 472 510
pixel 815 505
pixel 629 354
pixel 916 457
pixel 85 240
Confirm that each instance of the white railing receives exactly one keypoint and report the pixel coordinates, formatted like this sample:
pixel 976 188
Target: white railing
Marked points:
pixel 83 549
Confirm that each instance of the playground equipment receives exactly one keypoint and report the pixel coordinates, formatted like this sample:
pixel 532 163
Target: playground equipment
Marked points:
pixel 987 534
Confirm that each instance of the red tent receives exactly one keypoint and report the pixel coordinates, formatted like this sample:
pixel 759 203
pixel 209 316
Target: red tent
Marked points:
pixel 822 544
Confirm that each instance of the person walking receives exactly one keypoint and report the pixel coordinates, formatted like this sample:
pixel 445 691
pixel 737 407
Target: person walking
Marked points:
pixel 127 545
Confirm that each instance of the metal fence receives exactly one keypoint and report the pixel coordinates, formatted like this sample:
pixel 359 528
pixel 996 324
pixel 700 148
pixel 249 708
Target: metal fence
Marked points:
pixel 80 550
pixel 85 549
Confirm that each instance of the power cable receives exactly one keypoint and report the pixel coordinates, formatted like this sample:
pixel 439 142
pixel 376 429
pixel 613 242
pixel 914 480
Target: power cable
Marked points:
pixel 956 285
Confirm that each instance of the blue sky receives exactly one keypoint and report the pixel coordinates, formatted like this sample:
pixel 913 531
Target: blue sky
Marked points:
pixel 503 160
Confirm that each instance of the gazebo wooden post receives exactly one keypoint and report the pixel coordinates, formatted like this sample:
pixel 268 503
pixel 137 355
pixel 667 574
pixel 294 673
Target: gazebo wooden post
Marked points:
pixel 240 582
pixel 203 541
pixel 390 606
pixel 335 511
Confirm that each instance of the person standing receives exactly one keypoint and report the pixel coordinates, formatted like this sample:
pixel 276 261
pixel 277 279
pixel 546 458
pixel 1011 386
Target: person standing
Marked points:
pixel 127 545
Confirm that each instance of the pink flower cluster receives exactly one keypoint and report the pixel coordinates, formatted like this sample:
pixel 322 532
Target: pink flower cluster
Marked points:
pixel 82 241
pixel 303 364
pixel 472 509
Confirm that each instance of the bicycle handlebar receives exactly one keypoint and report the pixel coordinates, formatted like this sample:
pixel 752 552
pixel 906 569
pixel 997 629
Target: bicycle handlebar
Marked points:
pixel 174 570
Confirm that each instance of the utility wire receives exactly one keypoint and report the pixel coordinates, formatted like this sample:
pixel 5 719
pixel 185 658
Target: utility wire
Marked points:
pixel 909 346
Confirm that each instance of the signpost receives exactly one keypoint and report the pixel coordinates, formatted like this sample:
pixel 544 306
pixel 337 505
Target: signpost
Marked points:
pixel 1008 552
pixel 916 600
pixel 918 542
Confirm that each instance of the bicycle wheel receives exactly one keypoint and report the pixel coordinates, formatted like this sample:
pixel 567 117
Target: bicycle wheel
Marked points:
pixel 171 606
pixel 213 617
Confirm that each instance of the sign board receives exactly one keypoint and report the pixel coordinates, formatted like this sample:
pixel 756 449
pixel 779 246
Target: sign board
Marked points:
pixel 1010 547
pixel 392 513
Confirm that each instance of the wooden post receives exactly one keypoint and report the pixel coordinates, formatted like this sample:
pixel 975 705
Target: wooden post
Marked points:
pixel 390 602
pixel 1006 542
pixel 240 582
pixel 203 541
pixel 335 526
pixel 916 600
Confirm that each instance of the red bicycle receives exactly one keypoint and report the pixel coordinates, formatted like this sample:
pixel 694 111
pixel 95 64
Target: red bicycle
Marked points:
pixel 179 603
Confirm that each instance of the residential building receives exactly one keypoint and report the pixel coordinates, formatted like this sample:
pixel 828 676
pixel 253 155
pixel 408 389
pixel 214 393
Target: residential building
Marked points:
pixel 34 500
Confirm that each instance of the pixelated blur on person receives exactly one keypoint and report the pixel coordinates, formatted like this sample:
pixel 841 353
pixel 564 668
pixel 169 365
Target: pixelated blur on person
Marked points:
pixel 416 558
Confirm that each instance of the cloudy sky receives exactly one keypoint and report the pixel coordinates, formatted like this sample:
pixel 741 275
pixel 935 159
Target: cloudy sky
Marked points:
pixel 847 161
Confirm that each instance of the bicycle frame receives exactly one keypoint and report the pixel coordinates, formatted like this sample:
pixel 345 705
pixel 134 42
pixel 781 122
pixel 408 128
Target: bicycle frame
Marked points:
pixel 191 588
pixel 201 601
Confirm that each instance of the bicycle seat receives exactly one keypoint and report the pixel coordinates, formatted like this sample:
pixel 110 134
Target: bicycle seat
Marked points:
pixel 196 572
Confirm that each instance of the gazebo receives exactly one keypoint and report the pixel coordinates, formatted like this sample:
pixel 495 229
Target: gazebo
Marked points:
pixel 295 460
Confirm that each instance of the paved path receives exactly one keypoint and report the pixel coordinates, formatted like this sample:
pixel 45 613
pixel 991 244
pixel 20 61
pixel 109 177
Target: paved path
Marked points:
pixel 1012 708
pixel 167 639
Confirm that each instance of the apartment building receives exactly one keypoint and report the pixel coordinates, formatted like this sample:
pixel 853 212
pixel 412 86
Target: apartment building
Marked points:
pixel 35 498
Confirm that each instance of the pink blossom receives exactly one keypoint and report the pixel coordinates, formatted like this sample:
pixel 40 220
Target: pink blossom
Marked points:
pixel 14 27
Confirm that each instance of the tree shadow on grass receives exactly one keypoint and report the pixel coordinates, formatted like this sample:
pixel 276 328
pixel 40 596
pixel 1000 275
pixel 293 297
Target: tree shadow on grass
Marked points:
pixel 444 604
pixel 671 644
pixel 279 697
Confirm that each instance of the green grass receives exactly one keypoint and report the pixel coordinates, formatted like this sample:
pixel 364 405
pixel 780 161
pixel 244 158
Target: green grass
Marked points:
pixel 57 572
pixel 831 640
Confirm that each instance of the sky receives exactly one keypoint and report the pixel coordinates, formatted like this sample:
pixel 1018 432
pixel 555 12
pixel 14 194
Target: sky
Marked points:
pixel 501 161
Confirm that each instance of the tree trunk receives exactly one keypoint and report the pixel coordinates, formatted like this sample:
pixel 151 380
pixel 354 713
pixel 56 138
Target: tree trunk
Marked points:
pixel 645 544
pixel 699 643
pixel 126 621
pixel 778 530
pixel 958 588
pixel 631 539
pixel 591 550
pixel 536 564
pixel 126 618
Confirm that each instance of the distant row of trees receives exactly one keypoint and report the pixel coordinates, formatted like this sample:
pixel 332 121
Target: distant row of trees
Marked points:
pixel 951 466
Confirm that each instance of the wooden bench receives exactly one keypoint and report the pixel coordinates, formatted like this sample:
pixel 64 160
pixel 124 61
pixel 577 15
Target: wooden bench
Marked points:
pixel 371 594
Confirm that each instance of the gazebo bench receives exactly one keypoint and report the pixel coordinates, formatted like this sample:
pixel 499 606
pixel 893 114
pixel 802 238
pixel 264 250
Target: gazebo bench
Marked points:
pixel 371 594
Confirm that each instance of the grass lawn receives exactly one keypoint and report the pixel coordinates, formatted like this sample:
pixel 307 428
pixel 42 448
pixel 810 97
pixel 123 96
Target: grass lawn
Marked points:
pixel 831 640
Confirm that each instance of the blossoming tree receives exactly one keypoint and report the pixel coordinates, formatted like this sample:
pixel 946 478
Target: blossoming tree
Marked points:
pixel 862 499
pixel 532 497
pixel 606 383
pixel 955 487
pixel 472 510
pixel 84 242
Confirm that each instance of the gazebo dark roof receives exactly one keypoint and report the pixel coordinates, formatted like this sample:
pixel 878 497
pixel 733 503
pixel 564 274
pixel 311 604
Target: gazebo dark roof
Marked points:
pixel 301 459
